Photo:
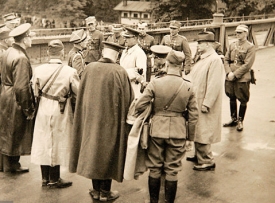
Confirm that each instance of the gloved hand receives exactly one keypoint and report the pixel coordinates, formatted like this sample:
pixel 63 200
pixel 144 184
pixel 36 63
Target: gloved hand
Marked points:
pixel 189 145
pixel 143 86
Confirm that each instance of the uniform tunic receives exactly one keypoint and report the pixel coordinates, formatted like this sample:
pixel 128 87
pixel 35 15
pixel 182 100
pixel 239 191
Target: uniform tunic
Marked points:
pixel 52 131
pixel 130 60
pixel 75 60
pixel 99 136
pixel 207 77
pixel 94 46
pixel 168 127
pixel 179 43
pixel 16 103
pixel 145 42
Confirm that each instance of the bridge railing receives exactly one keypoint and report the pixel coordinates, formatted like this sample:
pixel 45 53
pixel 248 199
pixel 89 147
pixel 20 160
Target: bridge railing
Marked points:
pixel 261 33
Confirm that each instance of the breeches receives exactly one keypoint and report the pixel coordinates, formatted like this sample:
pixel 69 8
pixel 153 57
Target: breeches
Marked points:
pixel 237 90
pixel 165 155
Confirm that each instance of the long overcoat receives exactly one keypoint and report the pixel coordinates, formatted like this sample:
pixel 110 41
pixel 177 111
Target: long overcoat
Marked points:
pixel 52 130
pixel 16 102
pixel 99 133
pixel 207 78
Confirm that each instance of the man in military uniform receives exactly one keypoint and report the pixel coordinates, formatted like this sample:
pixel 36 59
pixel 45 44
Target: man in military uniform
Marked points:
pixel 95 38
pixel 178 43
pixel 16 101
pixel 145 41
pixel 10 21
pixel 117 38
pixel 168 137
pixel 134 60
pixel 76 59
pixel 237 63
pixel 159 53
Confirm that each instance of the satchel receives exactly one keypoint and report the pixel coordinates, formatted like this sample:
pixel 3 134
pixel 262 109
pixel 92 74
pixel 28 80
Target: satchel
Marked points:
pixel 144 135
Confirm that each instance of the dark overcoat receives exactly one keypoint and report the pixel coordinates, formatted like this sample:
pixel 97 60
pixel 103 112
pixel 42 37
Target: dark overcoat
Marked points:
pixel 99 130
pixel 16 102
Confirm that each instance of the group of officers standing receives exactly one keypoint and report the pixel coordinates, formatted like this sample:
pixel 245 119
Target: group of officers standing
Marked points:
pixel 77 115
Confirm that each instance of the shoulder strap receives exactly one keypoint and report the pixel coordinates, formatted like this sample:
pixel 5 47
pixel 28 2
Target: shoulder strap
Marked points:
pixel 173 97
pixel 54 78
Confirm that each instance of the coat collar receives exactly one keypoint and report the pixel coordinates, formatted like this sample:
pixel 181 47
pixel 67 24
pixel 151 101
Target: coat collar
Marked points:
pixel 105 60
pixel 18 47
pixel 208 53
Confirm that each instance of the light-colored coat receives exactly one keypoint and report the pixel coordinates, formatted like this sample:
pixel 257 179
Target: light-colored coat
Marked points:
pixel 207 76
pixel 52 129
pixel 130 60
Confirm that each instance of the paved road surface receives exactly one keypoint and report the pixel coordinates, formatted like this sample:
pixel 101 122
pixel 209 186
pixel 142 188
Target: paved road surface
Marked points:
pixel 245 161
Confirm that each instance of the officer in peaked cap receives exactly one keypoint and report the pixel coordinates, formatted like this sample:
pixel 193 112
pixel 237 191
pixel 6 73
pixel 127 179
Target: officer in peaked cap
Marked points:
pixel 76 57
pixel 168 123
pixel 178 43
pixel 145 41
pixel 130 32
pixel 134 60
pixel 95 38
pixel 238 62
pixel 10 21
pixel 16 140
pixel 159 53
pixel 117 37
pixel 21 32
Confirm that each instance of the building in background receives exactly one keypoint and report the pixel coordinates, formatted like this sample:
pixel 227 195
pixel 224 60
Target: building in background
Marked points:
pixel 132 12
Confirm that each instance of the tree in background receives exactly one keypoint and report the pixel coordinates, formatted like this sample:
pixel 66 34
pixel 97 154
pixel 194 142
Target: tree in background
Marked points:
pixel 165 10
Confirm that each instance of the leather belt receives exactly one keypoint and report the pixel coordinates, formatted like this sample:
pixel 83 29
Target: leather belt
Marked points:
pixel 50 96
pixel 168 114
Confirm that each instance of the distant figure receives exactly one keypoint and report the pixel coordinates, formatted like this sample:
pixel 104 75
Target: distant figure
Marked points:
pixel 95 38
pixel 178 43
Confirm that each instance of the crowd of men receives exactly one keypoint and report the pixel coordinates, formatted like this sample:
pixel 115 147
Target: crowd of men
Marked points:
pixel 85 114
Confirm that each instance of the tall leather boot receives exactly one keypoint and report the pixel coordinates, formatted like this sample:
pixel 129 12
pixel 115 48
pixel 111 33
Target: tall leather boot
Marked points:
pixel 241 117
pixel 45 172
pixel 170 191
pixel 94 192
pixel 154 187
pixel 55 180
pixel 105 191
pixel 233 112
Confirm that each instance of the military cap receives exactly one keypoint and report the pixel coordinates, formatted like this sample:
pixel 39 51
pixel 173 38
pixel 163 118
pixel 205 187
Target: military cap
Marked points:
pixel 4 34
pixel 9 17
pixel 78 36
pixel 241 28
pixel 160 51
pixel 175 57
pixel 117 28
pixel 55 46
pixel 112 45
pixel 23 29
pixel 90 19
pixel 206 37
pixel 175 24
pixel 130 32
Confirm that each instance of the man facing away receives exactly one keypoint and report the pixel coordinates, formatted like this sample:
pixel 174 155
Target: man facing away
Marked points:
pixel 55 84
pixel 16 101
pixel 100 130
